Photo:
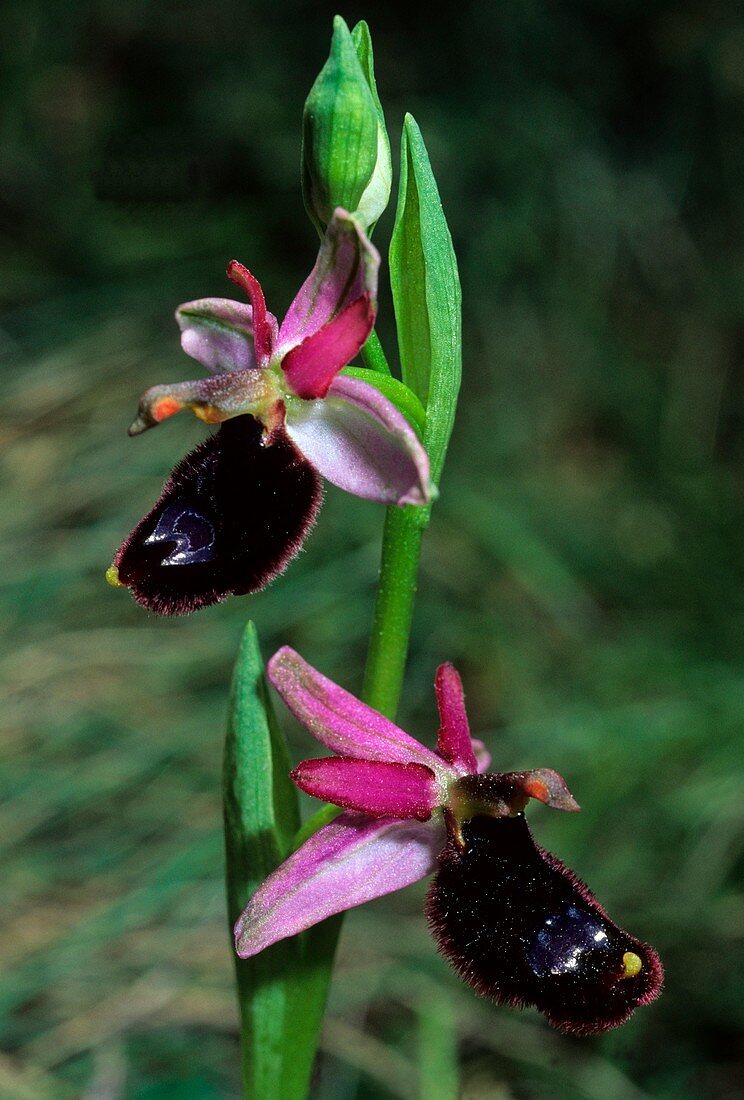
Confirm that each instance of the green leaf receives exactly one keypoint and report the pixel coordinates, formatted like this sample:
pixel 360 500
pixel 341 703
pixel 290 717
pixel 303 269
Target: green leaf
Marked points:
pixel 405 400
pixel 426 296
pixel 282 991
pixel 340 135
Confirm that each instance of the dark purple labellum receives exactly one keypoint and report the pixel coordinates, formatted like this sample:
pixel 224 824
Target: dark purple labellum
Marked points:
pixel 231 516
pixel 521 928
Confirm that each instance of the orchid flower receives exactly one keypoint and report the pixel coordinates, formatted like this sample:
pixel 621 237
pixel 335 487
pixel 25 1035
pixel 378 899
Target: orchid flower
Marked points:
pixel 516 924
pixel 237 509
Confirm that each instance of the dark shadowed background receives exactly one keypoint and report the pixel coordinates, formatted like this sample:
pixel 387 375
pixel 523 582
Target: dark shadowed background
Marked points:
pixel 583 567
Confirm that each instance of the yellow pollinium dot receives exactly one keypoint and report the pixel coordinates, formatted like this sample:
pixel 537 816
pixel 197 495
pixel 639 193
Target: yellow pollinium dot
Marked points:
pixel 112 576
pixel 632 964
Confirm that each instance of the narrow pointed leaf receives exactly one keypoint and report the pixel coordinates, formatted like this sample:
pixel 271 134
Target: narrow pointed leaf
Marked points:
pixel 282 991
pixel 426 296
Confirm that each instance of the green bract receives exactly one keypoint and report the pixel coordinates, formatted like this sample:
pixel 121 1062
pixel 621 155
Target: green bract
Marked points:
pixel 426 296
pixel 345 148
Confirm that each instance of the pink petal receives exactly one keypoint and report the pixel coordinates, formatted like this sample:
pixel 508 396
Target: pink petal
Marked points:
pixel 340 721
pixel 263 335
pixel 345 270
pixel 350 861
pixel 453 741
pixel 358 440
pixel 218 333
pixel 311 366
pixel 374 788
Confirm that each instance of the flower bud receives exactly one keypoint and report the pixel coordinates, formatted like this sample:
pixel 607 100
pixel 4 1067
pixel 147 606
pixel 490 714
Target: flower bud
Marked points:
pixel 345 148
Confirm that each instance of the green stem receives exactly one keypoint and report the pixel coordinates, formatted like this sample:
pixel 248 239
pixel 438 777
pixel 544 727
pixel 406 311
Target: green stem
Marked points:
pixel 373 355
pixel 396 592
pixel 391 626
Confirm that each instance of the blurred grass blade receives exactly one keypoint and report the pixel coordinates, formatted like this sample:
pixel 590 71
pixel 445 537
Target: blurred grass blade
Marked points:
pixel 281 993
pixel 426 295
pixel 437 1043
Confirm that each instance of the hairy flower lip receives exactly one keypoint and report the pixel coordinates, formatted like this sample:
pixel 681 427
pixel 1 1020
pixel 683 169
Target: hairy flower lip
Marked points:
pixel 201 543
pixel 553 945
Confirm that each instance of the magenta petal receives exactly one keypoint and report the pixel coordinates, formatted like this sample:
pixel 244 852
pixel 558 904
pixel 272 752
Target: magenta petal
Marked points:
pixel 311 366
pixel 373 787
pixel 358 440
pixel 345 270
pixel 350 861
pixel 340 721
pixel 453 741
pixel 218 333
pixel 263 334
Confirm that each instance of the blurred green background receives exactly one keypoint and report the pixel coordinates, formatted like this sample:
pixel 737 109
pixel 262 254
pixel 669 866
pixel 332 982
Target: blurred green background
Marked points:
pixel 583 568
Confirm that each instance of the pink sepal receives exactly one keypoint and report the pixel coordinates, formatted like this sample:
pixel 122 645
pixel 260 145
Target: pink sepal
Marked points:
pixel 374 788
pixel 453 741
pixel 340 721
pixel 218 333
pixel 358 440
pixel 311 366
pixel 263 335
pixel 350 861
